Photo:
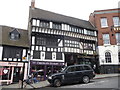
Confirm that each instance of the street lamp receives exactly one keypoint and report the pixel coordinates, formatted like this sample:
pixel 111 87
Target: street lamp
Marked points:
pixel 23 60
pixel 28 59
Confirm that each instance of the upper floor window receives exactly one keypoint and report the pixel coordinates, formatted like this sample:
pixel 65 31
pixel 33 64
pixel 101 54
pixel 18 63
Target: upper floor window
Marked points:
pixel 108 57
pixel 44 24
pixel 40 41
pixel 56 26
pixel 14 35
pixel 118 37
pixel 104 22
pixel 106 39
pixel 71 43
pixel 41 23
pixel 116 21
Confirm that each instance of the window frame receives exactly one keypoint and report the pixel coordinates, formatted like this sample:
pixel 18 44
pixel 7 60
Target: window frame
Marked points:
pixel 116 21
pixel 106 39
pixel 104 22
pixel 108 57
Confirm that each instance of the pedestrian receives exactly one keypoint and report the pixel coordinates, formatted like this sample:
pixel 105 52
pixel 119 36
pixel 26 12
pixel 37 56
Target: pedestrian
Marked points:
pixel 20 79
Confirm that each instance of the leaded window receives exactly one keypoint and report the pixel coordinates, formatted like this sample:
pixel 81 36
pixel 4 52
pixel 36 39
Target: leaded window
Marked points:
pixel 108 57
pixel 36 54
pixel 57 26
pixel 48 55
pixel 58 56
pixel 40 41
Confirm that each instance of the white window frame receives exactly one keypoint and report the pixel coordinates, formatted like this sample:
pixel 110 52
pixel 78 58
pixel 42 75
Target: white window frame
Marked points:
pixel 116 21
pixel 106 39
pixel 117 37
pixel 104 22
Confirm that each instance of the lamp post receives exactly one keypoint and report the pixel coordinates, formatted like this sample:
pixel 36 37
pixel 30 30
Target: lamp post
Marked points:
pixel 24 60
pixel 28 59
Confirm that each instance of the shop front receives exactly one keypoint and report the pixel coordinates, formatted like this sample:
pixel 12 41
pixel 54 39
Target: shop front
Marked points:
pixel 9 72
pixel 45 68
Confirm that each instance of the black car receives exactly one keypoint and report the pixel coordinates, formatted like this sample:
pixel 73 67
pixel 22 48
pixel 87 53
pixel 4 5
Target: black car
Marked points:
pixel 70 74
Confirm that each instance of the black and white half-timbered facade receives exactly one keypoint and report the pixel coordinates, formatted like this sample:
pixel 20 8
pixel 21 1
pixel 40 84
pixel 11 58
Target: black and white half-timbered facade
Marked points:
pixel 58 40
pixel 13 46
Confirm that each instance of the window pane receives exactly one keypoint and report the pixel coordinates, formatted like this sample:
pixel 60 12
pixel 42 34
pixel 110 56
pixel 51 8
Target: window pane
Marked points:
pixel 104 22
pixel 59 56
pixel 108 57
pixel 106 39
pixel 36 54
pixel 118 37
pixel 116 21
pixel 48 55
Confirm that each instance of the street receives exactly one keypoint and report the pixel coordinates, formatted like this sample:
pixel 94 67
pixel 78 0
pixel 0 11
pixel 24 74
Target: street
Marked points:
pixel 104 83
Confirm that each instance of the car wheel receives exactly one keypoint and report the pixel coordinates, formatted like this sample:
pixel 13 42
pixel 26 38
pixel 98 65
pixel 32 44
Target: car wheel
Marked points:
pixel 57 83
pixel 86 79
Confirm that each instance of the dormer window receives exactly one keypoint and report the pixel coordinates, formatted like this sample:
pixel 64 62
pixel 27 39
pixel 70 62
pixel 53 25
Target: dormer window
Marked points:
pixel 14 35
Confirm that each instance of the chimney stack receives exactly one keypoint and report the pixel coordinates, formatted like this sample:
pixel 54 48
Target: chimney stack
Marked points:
pixel 32 3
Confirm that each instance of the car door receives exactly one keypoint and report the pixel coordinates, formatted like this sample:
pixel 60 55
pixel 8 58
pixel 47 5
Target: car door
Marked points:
pixel 78 73
pixel 70 75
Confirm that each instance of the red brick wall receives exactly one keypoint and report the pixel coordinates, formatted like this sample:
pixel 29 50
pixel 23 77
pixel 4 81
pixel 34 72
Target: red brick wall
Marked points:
pixel 95 19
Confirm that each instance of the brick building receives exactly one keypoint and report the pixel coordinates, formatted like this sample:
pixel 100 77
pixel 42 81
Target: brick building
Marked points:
pixel 107 23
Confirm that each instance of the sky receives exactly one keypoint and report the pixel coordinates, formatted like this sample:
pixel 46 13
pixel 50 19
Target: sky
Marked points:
pixel 15 13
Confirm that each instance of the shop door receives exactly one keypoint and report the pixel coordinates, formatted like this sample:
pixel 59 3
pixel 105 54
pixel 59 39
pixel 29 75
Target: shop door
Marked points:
pixel 16 74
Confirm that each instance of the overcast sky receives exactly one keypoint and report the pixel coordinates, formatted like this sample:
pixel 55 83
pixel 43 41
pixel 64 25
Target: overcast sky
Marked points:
pixel 15 13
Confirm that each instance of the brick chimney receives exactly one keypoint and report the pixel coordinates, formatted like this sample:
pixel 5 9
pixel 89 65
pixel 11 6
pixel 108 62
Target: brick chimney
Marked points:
pixel 32 3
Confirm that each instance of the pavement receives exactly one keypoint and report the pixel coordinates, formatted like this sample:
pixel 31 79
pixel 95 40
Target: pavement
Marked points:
pixel 42 84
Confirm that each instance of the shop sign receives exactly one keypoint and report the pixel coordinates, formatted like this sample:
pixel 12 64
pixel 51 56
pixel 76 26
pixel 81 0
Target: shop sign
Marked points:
pixel 10 63
pixel 47 63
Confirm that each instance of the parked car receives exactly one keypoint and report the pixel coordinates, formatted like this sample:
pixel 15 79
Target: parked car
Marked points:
pixel 70 74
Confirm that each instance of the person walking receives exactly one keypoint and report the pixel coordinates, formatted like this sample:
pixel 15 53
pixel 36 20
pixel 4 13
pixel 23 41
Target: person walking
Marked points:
pixel 20 79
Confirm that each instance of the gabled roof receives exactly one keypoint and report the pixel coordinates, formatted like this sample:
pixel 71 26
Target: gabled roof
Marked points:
pixel 6 40
pixel 51 16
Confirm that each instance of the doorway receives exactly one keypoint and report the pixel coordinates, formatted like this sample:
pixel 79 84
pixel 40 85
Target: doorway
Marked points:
pixel 16 74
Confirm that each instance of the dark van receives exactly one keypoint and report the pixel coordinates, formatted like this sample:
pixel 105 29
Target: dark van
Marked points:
pixel 70 74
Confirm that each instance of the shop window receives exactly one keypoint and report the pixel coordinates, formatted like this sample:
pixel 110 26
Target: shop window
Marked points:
pixel 5 73
pixel 48 55
pixel 108 57
pixel 36 54
pixel 58 56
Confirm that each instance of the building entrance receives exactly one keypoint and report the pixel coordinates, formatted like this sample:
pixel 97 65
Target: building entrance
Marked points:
pixel 16 74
